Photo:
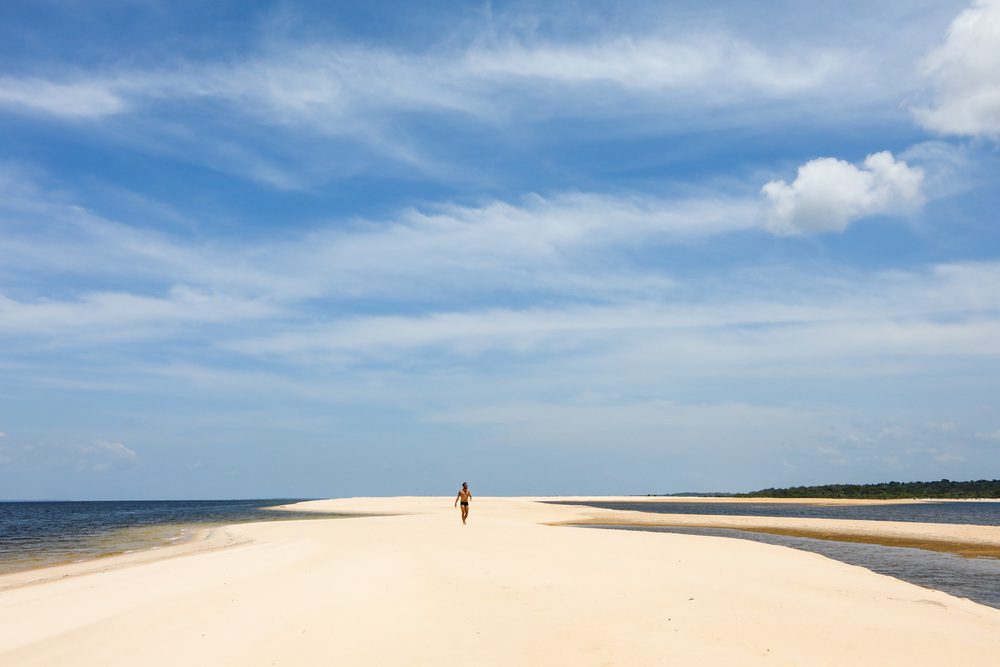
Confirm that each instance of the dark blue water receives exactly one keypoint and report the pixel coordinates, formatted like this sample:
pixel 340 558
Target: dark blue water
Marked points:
pixel 981 513
pixel 977 579
pixel 34 534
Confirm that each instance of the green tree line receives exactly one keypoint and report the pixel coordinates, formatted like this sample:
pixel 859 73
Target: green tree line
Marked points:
pixel 945 488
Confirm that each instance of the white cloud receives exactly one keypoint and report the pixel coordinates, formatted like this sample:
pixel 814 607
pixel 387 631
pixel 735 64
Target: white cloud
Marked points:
pixel 965 74
pixel 101 456
pixel 828 194
pixel 948 311
pixel 319 84
pixel 119 314
pixel 540 243
pixel 720 64
pixel 918 448
pixel 98 456
pixel 75 99
pixel 537 244
pixel 565 246
pixel 115 450
pixel 346 96
pixel 656 425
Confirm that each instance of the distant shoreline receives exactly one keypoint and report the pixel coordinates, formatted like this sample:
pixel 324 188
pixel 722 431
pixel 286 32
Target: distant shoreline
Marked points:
pixel 745 500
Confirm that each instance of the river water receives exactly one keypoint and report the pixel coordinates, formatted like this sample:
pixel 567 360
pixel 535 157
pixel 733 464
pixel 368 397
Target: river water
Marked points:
pixel 36 534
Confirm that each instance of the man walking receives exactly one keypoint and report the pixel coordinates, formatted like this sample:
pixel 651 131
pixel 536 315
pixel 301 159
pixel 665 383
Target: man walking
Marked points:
pixel 464 495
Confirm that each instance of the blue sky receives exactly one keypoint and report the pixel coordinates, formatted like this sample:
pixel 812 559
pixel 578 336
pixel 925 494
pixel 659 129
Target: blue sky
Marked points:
pixel 310 249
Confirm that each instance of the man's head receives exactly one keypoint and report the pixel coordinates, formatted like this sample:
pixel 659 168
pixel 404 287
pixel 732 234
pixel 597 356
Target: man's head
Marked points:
pixel 465 485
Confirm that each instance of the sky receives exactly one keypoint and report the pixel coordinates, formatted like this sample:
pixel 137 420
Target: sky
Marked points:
pixel 312 249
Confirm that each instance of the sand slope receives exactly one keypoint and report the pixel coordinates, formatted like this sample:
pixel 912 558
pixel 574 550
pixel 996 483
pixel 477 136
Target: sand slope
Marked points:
pixel 421 589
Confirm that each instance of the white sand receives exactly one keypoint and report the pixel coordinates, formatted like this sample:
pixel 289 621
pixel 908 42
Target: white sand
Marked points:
pixel 421 589
pixel 900 530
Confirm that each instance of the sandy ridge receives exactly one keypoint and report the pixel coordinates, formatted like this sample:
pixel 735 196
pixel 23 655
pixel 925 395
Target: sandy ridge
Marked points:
pixel 969 540
pixel 418 588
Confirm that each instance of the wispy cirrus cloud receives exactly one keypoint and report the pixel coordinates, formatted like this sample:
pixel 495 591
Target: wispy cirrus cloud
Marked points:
pixel 950 310
pixel 565 246
pixel 70 99
pixel 116 315
pixel 351 96
pixel 102 456
pixel 551 244
pixel 333 238
pixel 721 65
pixel 321 85
pixel 96 456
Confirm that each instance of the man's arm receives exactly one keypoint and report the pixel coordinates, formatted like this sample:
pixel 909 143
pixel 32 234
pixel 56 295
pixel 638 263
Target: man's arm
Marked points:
pixel 456 499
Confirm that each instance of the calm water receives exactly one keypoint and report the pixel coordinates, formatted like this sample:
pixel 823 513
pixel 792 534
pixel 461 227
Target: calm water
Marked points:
pixel 982 513
pixel 977 579
pixel 34 534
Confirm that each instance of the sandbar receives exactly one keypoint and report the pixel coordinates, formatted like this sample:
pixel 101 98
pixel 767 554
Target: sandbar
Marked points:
pixel 410 585
pixel 968 540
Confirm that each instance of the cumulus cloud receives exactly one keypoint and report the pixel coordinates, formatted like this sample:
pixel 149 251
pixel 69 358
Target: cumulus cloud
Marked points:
pixel 965 73
pixel 829 194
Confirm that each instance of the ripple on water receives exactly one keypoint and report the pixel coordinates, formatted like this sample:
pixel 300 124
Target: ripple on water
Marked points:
pixel 38 534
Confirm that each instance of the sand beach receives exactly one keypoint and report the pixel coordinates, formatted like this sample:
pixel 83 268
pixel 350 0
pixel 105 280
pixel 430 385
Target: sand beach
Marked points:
pixel 409 585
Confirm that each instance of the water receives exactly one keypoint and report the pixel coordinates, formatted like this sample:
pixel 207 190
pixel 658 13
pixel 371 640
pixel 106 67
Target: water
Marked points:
pixel 977 579
pixel 981 513
pixel 35 534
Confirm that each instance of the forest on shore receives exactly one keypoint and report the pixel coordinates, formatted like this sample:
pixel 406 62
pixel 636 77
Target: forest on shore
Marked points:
pixel 945 488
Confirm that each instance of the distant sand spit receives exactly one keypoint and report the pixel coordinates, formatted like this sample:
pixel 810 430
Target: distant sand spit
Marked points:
pixel 415 587
pixel 961 539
